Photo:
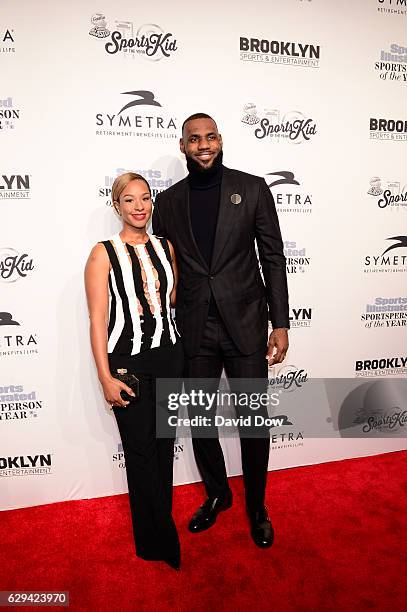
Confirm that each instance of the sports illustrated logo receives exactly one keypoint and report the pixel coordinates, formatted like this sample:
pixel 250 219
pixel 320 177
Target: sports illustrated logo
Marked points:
pixel 178 450
pixel 381 366
pixel 148 41
pixel 155 179
pixel 279 52
pixel 7 41
pixel 398 7
pixel 15 341
pixel 385 312
pixel 300 317
pixel 296 258
pixel 15 404
pixel 139 123
pixel 392 195
pixel 14 187
pixel 119 460
pixel 292 126
pixel 389 261
pixel 14 265
pixel 26 465
pixel 392 64
pixel 287 192
pixel 376 408
pixel 118 457
pixel 388 129
pixel 8 114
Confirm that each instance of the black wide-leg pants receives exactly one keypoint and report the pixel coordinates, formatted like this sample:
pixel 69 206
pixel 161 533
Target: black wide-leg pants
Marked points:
pixel 149 460
pixel 218 351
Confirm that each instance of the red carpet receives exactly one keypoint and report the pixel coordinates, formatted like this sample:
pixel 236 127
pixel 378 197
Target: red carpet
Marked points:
pixel 340 545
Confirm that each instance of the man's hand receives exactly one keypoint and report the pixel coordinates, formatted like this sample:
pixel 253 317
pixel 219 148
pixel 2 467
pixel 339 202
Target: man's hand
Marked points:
pixel 278 342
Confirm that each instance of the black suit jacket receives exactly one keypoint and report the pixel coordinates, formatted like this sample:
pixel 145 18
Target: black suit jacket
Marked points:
pixel 244 301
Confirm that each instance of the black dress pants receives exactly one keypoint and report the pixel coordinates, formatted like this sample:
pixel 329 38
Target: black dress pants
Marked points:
pixel 218 351
pixel 149 460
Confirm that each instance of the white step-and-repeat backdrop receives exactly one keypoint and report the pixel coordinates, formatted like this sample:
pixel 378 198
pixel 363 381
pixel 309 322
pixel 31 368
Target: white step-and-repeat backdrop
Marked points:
pixel 310 94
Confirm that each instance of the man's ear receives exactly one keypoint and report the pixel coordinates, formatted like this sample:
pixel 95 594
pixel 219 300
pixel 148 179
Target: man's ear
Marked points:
pixel 181 145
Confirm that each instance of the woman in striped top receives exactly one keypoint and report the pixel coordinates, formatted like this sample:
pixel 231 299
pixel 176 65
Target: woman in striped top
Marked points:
pixel 130 285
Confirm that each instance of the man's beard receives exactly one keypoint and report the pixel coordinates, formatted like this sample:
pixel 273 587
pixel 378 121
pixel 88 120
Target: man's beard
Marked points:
pixel 195 168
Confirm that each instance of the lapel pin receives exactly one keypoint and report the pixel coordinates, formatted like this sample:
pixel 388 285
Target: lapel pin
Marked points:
pixel 235 198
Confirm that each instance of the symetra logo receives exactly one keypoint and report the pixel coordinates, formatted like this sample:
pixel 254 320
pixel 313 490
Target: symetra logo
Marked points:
pixel 392 7
pixel 7 41
pixel 15 338
pixel 288 193
pixel 389 261
pixel 151 123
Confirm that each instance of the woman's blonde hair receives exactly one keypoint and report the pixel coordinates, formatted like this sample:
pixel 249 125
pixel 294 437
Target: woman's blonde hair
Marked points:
pixel 121 183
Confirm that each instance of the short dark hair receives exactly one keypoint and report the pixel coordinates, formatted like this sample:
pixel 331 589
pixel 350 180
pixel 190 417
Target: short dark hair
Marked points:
pixel 198 116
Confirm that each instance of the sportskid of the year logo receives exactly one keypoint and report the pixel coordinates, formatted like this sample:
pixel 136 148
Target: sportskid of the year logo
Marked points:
pixel 148 41
pixel 288 193
pixel 132 119
pixel 280 127
pixel 14 265
pixel 389 195
pixel 375 408
pixel 392 64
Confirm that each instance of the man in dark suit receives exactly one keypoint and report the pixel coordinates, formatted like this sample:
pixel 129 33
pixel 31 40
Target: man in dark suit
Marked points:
pixel 213 218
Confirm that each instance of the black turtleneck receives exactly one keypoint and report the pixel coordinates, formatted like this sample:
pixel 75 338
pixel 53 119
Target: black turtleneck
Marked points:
pixel 204 199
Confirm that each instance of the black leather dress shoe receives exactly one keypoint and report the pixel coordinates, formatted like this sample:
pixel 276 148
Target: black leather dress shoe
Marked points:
pixel 206 515
pixel 262 530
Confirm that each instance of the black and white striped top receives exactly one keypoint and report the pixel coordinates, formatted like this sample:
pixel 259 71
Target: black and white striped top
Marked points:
pixel 140 283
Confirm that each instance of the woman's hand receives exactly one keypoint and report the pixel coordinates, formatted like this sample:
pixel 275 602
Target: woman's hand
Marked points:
pixel 111 391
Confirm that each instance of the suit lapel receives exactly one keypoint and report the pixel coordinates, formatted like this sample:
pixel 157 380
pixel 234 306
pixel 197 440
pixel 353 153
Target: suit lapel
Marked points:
pixel 182 214
pixel 228 212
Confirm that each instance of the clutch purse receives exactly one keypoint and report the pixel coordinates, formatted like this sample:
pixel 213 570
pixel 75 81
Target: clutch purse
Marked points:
pixel 131 381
